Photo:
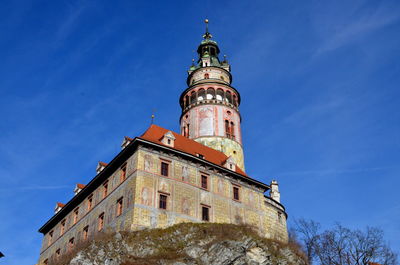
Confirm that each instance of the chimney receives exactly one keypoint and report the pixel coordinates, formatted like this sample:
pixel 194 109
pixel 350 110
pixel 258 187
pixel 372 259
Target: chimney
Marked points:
pixel 127 140
pixel 274 192
pixel 58 207
pixel 78 188
pixel 100 166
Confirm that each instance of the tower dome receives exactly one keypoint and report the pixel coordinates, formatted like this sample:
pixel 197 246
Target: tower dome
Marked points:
pixel 210 104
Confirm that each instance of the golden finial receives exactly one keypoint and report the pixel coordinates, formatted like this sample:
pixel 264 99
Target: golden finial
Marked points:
pixel 152 116
pixel 206 20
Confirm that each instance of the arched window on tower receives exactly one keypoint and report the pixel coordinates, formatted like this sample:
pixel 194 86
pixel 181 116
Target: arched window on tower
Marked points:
pixel 206 75
pixel 228 97
pixel 201 94
pixel 193 97
pixel 210 93
pixel 234 100
pixel 227 129
pixel 232 129
pixel 187 103
pixel 220 94
pixel 212 51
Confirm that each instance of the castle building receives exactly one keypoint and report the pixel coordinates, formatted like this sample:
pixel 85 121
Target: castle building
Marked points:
pixel 162 177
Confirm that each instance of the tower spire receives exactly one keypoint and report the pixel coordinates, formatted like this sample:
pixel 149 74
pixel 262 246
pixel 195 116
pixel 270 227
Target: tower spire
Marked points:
pixel 207 35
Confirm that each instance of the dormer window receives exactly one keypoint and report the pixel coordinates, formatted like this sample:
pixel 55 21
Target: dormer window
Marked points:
pixel 168 139
pixel 230 164
pixel 200 156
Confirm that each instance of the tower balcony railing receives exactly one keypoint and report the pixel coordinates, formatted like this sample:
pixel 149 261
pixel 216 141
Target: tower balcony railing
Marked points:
pixel 210 101
pixel 208 80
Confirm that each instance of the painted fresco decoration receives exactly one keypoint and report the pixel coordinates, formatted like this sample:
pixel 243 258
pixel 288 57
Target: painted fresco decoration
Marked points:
pixel 186 206
pixel 206 122
pixel 147 194
pixel 148 163
pixel 185 173
pixel 164 186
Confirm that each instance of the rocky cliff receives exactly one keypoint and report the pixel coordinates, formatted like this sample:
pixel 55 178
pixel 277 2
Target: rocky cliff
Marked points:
pixel 185 244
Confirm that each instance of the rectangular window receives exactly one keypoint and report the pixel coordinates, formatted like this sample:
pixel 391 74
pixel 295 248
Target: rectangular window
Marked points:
pixel 163 201
pixel 280 217
pixel 122 175
pixel 50 238
pixel 236 193
pixel 119 206
pixel 85 233
pixel 76 215
pixel 205 213
pixel 164 169
pixel 105 189
pixel 204 182
pixel 100 224
pixel 62 228
pixel 71 244
pixel 90 202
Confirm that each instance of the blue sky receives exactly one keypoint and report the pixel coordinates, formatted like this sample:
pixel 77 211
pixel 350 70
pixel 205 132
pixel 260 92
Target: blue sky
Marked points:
pixel 319 82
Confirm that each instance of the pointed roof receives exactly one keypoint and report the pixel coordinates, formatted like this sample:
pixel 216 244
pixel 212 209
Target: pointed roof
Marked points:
pixel 155 133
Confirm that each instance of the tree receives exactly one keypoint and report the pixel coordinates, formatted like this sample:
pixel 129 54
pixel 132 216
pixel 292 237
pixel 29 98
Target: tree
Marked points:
pixel 343 246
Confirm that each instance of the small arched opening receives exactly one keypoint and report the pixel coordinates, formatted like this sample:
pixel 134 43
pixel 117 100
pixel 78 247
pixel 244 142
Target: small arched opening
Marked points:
pixel 201 94
pixel 187 102
pixel 220 94
pixel 232 130
pixel 234 100
pixel 193 97
pixel 210 93
pixel 228 97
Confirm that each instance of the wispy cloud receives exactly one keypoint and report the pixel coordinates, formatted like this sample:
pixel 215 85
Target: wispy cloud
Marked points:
pixel 358 27
pixel 36 187
pixel 334 171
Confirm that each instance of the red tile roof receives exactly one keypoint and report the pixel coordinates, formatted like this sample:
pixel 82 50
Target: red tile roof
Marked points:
pixel 182 143
pixel 373 263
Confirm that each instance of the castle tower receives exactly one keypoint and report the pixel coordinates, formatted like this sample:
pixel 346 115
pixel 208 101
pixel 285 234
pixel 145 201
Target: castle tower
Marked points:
pixel 210 105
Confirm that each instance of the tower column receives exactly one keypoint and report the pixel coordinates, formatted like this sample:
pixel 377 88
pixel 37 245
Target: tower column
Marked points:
pixel 210 105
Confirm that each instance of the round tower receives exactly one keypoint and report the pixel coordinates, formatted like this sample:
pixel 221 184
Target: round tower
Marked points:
pixel 210 105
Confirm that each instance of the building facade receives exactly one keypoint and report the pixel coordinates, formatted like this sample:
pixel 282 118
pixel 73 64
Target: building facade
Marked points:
pixel 162 178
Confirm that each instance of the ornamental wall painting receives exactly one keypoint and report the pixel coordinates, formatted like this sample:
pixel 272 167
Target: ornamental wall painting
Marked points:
pixel 220 186
pixel 185 173
pixel 148 163
pixel 130 198
pixel 186 206
pixel 146 196
pixel 163 186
